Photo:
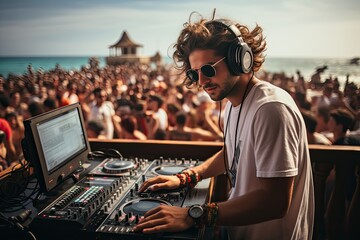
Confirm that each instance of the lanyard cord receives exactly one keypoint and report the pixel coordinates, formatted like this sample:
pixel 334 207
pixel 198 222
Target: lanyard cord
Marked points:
pixel 237 126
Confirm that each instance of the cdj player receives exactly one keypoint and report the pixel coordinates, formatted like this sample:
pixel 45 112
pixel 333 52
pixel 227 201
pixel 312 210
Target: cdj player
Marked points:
pixel 106 203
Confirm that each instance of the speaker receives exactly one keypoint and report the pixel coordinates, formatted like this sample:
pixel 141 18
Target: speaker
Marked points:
pixel 239 55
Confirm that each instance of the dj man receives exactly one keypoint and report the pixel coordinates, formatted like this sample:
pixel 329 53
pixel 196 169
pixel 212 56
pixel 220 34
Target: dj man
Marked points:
pixel 265 153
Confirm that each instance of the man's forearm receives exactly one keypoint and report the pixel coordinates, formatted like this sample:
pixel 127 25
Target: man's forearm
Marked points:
pixel 212 166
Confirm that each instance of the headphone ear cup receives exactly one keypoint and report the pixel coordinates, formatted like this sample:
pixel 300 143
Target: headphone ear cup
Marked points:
pixel 233 59
pixel 239 58
pixel 247 58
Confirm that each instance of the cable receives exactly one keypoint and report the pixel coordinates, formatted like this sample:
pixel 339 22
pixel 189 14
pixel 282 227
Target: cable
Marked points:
pixel 14 223
pixel 227 169
pixel 105 153
pixel 13 188
pixel 219 119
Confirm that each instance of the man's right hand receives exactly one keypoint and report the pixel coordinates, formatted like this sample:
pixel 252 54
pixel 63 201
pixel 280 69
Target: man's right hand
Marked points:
pixel 160 182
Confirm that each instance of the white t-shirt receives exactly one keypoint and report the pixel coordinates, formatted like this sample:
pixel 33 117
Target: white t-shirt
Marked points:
pixel 163 119
pixel 103 113
pixel 273 143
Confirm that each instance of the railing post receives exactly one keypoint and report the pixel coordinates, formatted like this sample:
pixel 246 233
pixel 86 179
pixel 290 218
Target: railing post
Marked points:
pixel 335 216
pixel 353 216
pixel 321 171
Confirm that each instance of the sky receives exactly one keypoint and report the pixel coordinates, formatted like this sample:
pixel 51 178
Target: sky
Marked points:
pixel 293 28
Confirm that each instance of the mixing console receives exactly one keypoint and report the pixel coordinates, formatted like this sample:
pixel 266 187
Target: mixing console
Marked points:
pixel 106 203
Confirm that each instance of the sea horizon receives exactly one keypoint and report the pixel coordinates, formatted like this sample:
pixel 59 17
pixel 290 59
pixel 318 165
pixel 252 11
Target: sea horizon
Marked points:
pixel 337 67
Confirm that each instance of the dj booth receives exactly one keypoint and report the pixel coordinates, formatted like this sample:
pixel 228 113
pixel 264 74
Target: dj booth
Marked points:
pixel 71 187
pixel 89 189
pixel 114 216
pixel 115 210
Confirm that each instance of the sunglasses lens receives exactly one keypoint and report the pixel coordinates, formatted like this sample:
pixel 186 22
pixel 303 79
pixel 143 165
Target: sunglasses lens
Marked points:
pixel 208 70
pixel 192 75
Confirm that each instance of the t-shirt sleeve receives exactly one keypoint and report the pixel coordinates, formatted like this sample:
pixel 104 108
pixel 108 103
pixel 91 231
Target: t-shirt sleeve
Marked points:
pixel 5 127
pixel 276 140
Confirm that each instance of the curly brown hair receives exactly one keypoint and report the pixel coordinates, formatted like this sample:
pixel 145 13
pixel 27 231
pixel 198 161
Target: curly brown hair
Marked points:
pixel 201 35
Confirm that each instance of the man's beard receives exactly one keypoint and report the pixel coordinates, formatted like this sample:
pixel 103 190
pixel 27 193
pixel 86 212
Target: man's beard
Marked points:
pixel 227 87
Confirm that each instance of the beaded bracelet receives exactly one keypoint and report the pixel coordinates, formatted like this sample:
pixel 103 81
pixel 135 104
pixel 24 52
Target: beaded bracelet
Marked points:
pixel 211 217
pixel 196 175
pixel 192 177
pixel 182 180
pixel 190 181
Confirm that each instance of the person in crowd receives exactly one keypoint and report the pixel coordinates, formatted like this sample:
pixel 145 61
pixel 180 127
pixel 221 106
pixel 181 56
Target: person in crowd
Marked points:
pixel 302 101
pixel 35 95
pixel 310 123
pixel 2 80
pixel 172 110
pixel 340 123
pixel 322 118
pixel 127 128
pixel 124 107
pixel 17 127
pixel 188 102
pixel 102 110
pixel 155 104
pixel 184 133
pixel 352 102
pixel 70 94
pixel 4 105
pixel 50 104
pixel 9 144
pixel 94 129
pixel 159 115
pixel 325 99
pixel 265 154
pixel 205 118
pixel 337 97
pixel 301 83
pixel 316 79
pixel 15 100
pixel 140 116
pixel 3 151
pixel 116 92
pixel 16 103
pixel 36 108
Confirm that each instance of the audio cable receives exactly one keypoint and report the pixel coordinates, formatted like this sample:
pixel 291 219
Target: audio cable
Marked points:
pixel 16 223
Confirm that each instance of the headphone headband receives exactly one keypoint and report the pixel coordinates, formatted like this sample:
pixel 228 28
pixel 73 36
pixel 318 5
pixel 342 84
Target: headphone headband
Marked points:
pixel 229 25
pixel 239 55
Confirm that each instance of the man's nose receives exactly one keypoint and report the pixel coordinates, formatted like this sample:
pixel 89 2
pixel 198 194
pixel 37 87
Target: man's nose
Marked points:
pixel 203 79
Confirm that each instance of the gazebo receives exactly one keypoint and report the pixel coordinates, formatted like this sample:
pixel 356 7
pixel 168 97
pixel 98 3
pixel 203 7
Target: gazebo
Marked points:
pixel 125 51
pixel 125 46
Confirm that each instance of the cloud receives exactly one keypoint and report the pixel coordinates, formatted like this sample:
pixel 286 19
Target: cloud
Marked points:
pixel 86 27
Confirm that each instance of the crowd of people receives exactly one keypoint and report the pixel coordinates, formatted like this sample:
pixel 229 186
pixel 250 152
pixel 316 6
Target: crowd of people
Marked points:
pixel 145 101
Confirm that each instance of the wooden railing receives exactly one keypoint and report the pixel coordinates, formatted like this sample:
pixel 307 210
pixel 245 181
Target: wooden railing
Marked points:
pixel 336 218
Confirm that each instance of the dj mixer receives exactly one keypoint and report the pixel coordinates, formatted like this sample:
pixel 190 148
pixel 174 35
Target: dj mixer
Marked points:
pixel 106 203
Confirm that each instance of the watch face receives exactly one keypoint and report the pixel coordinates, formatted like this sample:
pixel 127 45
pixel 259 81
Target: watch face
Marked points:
pixel 196 211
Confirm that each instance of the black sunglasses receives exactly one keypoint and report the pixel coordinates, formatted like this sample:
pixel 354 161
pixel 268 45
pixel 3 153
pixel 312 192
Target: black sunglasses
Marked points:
pixel 207 69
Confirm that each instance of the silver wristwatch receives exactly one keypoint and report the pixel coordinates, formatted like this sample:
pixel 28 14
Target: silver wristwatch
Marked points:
pixel 196 212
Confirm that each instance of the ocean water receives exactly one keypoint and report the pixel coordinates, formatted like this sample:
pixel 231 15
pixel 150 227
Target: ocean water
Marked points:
pixel 337 67
pixel 18 65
